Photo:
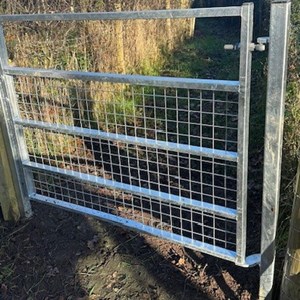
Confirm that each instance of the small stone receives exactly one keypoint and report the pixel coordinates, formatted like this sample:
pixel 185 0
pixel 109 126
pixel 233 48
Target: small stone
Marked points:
pixel 109 286
pixel 181 261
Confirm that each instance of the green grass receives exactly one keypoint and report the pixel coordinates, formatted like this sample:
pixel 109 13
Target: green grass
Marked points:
pixel 204 57
pixel 7 266
pixel 6 272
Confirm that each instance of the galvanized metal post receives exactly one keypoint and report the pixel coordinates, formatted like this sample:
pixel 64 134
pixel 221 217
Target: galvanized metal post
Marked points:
pixel 243 127
pixel 279 31
pixel 13 137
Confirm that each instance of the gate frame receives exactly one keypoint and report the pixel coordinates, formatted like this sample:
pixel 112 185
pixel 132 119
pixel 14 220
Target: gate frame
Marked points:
pixel 276 91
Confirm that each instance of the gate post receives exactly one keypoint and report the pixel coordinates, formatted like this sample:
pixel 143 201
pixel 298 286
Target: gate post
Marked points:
pixel 14 200
pixel 9 196
pixel 277 71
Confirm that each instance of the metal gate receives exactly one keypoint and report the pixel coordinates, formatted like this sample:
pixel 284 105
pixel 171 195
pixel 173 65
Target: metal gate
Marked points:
pixel 165 156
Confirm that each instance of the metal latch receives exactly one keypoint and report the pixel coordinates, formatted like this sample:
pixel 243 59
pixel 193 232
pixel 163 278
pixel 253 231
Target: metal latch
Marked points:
pixel 260 46
pixel 232 46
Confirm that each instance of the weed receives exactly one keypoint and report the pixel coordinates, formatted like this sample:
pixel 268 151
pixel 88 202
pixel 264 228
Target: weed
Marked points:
pixel 6 272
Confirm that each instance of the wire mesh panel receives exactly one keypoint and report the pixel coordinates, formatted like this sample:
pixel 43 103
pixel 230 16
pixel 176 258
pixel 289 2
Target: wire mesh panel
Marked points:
pixel 161 155
pixel 154 178
pixel 185 175
pixel 185 116
pixel 167 217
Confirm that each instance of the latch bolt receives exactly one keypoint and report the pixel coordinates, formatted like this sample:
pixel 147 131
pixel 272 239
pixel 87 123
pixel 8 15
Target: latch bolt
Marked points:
pixel 260 46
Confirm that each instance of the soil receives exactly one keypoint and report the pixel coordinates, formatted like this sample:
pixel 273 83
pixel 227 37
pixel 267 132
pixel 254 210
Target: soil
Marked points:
pixel 62 255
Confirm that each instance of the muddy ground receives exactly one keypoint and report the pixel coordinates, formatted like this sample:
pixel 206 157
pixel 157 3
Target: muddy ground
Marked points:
pixel 61 255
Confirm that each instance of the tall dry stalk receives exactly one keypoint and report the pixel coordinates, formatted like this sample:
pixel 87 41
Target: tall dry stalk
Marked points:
pixel 119 42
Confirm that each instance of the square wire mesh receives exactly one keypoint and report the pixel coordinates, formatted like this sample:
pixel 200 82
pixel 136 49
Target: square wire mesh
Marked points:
pixel 187 222
pixel 182 116
pixel 190 176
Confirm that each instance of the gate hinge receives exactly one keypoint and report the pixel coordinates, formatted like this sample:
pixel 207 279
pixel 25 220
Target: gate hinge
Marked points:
pixel 260 46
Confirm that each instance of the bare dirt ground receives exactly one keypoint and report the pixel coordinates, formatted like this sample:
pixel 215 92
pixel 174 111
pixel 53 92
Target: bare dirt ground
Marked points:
pixel 62 255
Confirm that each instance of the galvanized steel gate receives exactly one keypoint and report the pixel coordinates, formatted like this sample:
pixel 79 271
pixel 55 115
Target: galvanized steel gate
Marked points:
pixel 165 156
pixel 168 157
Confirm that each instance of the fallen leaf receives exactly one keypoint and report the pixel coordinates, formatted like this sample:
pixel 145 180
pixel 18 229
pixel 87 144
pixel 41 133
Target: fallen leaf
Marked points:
pixel 181 261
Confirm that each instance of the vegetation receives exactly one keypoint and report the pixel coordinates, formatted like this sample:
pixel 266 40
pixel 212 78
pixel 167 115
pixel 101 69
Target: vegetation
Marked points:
pixel 89 45
pixel 291 276
pixel 292 130
pixel 99 46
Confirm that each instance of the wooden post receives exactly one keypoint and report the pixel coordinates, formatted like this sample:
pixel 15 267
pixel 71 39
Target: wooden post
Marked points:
pixel 192 21
pixel 14 191
pixel 119 42
pixel 169 27
pixel 9 201
pixel 290 288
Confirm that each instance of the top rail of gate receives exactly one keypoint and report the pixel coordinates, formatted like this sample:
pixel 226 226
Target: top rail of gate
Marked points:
pixel 158 81
pixel 208 84
pixel 213 12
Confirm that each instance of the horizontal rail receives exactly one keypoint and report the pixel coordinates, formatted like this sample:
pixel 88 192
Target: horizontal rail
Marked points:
pixel 230 255
pixel 93 133
pixel 156 81
pixel 130 224
pixel 212 12
pixel 161 196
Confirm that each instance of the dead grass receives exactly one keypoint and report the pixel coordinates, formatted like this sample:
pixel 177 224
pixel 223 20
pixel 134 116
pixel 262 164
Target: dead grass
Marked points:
pixel 134 47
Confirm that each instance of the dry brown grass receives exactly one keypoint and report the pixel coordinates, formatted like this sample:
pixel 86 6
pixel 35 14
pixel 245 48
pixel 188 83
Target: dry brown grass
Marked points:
pixel 111 46
pixel 134 47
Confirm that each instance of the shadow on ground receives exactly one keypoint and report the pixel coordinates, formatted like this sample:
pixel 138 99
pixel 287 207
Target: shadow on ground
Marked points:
pixel 62 255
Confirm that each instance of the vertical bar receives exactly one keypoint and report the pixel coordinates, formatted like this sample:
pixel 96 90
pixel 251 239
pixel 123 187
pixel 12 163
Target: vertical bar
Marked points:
pixel 279 31
pixel 13 134
pixel 243 128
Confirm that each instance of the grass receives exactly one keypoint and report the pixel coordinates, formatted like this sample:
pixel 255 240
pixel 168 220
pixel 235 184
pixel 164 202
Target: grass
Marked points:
pixel 6 268
pixel 204 57
pixel 7 272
